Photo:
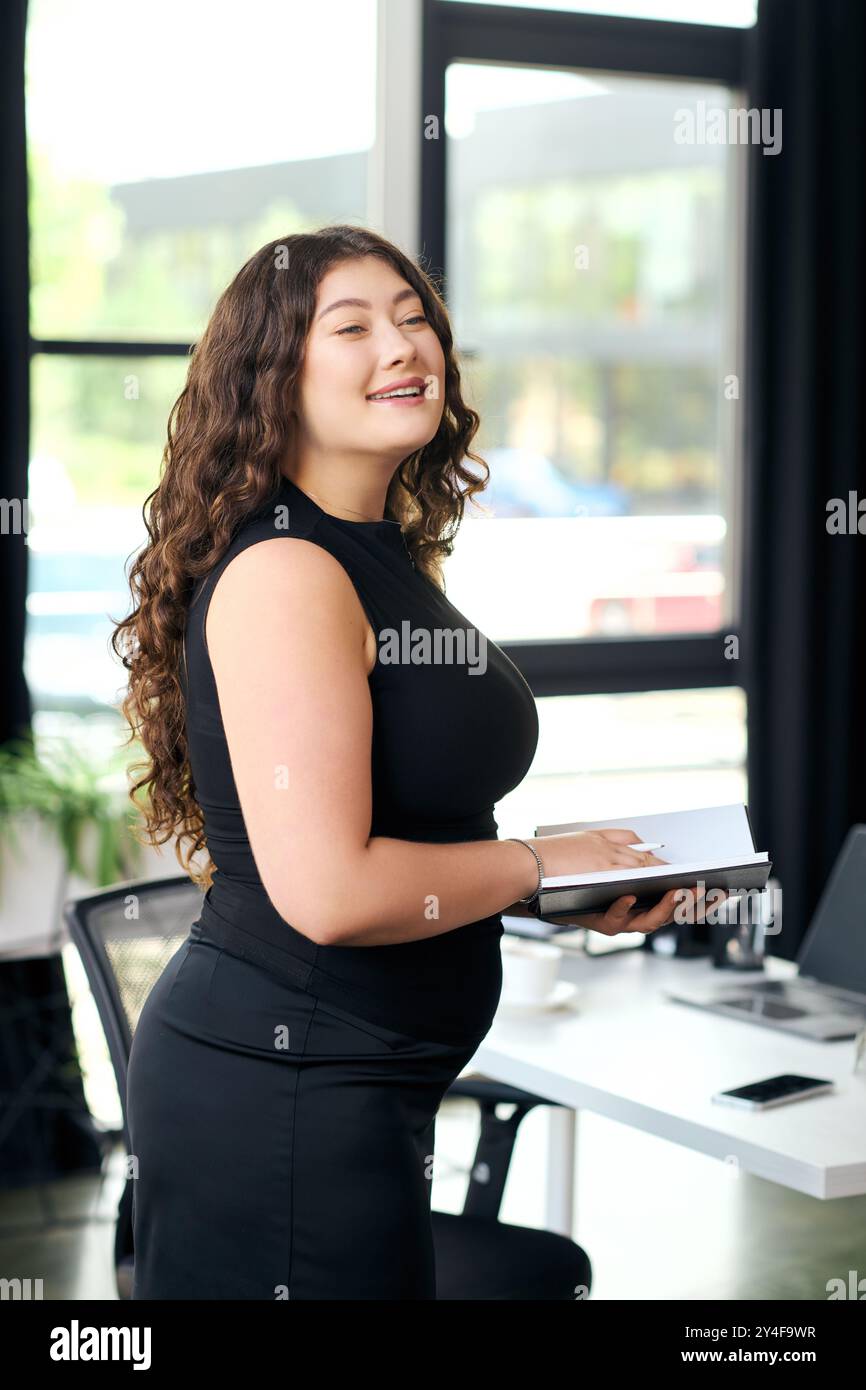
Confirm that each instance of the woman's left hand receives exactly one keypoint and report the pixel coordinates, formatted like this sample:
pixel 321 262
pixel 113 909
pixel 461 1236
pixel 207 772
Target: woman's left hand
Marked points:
pixel 621 917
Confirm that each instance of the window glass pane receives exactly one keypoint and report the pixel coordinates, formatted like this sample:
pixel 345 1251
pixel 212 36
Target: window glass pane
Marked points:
pixel 167 143
pixel 592 276
pixel 618 755
pixel 99 427
pixel 736 14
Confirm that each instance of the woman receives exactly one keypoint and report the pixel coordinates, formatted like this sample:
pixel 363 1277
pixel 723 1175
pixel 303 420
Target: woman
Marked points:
pixel 288 1065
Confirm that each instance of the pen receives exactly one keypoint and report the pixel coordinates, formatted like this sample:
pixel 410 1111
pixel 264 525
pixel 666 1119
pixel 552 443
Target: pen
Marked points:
pixel 660 846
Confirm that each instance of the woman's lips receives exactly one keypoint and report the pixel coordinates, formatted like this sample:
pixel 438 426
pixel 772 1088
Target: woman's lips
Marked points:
pixel 401 400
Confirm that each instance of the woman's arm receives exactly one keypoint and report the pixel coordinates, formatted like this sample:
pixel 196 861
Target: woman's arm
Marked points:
pixel 291 675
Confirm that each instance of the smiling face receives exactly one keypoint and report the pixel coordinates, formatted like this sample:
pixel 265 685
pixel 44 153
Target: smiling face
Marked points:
pixel 356 349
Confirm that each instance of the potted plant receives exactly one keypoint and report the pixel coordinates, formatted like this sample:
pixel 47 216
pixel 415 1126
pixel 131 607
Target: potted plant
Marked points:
pixel 61 818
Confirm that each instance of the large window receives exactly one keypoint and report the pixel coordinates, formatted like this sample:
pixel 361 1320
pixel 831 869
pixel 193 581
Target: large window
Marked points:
pixel 593 281
pixel 165 145
pixel 592 237
pixel 592 260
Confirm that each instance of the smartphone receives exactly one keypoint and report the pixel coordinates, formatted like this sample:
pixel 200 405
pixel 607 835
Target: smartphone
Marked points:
pixel 777 1090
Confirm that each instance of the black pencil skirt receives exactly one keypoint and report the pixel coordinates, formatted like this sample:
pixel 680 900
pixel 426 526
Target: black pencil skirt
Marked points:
pixel 283 1146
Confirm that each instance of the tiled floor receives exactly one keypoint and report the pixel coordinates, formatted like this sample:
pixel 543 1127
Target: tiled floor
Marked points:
pixel 658 1221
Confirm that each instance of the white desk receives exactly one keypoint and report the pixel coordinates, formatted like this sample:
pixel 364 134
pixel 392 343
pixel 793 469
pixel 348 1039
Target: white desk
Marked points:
pixel 626 1052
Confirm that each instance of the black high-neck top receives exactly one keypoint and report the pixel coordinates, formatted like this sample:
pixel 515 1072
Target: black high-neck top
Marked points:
pixel 450 738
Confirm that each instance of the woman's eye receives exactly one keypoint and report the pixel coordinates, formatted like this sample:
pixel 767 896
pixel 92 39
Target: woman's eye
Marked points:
pixel 352 327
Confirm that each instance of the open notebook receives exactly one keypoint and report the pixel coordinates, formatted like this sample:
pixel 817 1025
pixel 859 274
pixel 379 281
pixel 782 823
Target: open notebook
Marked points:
pixel 711 845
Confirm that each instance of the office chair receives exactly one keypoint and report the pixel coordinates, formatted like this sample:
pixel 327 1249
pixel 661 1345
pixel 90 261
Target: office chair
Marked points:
pixel 126 935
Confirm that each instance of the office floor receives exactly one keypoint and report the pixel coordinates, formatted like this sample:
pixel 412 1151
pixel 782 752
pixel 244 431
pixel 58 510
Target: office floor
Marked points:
pixel 658 1221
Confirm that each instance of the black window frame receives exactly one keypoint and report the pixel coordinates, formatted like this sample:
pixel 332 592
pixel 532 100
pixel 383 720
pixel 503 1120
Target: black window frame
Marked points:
pixel 504 34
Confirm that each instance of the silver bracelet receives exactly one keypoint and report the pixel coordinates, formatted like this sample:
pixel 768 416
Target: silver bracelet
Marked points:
pixel 527 902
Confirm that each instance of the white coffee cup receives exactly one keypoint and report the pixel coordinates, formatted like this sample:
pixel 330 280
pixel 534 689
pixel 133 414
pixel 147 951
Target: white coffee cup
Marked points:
pixel 529 970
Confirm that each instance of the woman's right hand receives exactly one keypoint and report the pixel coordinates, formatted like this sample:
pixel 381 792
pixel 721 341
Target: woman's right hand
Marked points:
pixel 589 851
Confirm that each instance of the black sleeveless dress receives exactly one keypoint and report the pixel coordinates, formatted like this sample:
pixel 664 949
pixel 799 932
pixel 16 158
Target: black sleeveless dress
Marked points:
pixel 282 1094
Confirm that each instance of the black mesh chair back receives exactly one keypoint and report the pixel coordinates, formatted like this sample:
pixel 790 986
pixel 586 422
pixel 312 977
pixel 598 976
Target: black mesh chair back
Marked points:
pixel 126 936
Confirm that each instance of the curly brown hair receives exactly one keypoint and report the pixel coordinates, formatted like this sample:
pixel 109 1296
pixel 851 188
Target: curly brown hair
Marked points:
pixel 228 431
